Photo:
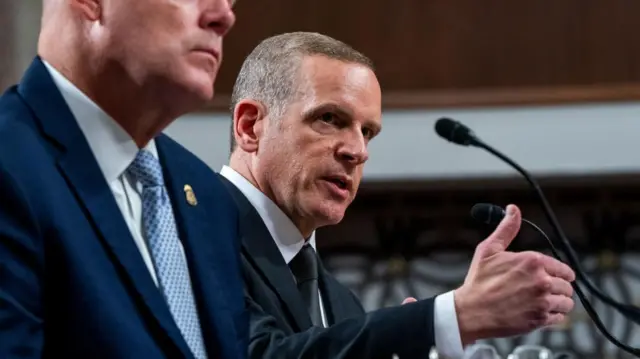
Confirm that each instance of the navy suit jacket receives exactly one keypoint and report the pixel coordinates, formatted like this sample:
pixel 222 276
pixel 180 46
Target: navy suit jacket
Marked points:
pixel 72 282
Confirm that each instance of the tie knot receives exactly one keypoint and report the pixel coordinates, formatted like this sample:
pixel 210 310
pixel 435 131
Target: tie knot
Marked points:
pixel 305 264
pixel 146 169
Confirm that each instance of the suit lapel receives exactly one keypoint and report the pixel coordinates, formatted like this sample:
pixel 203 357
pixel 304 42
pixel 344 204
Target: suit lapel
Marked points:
pixel 202 231
pixel 261 249
pixel 86 181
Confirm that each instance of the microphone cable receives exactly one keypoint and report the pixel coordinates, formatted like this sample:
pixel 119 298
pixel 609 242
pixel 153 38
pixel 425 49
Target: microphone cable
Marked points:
pixel 460 134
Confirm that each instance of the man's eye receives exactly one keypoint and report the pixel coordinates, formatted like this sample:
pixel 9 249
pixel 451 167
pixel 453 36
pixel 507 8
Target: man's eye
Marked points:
pixel 367 133
pixel 328 117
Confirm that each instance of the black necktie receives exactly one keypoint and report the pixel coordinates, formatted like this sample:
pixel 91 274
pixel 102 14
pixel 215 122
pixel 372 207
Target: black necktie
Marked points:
pixel 305 268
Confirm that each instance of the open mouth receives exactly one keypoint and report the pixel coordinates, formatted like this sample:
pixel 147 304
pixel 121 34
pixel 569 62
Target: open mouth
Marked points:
pixel 338 182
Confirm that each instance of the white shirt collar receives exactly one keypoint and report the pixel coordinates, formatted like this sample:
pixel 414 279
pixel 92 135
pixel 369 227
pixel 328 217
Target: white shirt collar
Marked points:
pixel 112 146
pixel 286 235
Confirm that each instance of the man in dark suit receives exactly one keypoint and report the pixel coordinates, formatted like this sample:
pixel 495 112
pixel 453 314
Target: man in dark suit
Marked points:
pixel 115 241
pixel 305 107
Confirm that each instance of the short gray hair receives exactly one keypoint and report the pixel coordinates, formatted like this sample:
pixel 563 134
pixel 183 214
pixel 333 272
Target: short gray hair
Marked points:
pixel 269 73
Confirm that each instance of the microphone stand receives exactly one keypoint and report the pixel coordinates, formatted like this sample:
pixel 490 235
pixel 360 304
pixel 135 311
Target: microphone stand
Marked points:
pixel 457 133
pixel 630 311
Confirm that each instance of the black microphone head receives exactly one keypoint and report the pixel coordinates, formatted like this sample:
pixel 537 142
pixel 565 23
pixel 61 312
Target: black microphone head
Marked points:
pixel 455 132
pixel 487 213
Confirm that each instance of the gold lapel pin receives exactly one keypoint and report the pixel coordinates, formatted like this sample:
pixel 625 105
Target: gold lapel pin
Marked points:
pixel 191 197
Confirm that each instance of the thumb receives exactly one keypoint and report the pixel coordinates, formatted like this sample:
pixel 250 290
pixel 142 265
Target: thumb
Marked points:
pixel 505 232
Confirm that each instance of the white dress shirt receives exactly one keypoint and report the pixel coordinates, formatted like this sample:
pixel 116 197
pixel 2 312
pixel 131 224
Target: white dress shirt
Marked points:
pixel 289 241
pixel 114 150
pixel 286 235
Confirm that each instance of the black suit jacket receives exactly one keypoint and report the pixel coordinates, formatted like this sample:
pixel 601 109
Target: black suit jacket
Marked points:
pixel 281 326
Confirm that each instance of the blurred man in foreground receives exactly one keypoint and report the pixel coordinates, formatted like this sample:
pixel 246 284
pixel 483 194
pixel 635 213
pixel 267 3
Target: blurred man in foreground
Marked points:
pixel 114 240
pixel 305 107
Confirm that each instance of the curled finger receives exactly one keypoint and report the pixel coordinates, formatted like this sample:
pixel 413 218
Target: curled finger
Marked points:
pixel 560 304
pixel 555 319
pixel 556 268
pixel 560 286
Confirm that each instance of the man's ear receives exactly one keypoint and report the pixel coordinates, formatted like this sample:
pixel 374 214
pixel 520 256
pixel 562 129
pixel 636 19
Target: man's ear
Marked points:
pixel 91 9
pixel 248 124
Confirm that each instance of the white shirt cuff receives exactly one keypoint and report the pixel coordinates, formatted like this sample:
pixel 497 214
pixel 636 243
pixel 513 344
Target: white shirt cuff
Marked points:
pixel 447 332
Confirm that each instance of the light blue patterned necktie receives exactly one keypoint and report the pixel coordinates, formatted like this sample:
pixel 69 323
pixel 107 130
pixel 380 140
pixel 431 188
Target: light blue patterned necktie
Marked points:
pixel 162 237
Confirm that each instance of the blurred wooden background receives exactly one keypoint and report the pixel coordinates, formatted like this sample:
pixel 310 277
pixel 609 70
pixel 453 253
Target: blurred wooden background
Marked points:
pixel 462 52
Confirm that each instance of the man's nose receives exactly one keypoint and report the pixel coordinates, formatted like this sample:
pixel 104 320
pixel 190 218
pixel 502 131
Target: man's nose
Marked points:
pixel 354 151
pixel 218 16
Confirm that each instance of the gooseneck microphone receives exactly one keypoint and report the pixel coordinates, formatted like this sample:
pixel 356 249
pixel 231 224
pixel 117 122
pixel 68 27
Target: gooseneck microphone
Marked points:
pixel 458 133
pixel 492 214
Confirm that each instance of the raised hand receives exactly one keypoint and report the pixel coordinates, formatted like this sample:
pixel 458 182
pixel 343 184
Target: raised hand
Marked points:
pixel 507 293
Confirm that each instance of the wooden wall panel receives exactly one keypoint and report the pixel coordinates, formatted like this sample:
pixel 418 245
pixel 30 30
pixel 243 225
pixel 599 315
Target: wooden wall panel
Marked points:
pixel 465 52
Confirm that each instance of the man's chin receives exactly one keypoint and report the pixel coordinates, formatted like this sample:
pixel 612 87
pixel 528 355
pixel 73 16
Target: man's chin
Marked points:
pixel 199 85
pixel 330 215
pixel 193 98
pixel 203 91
